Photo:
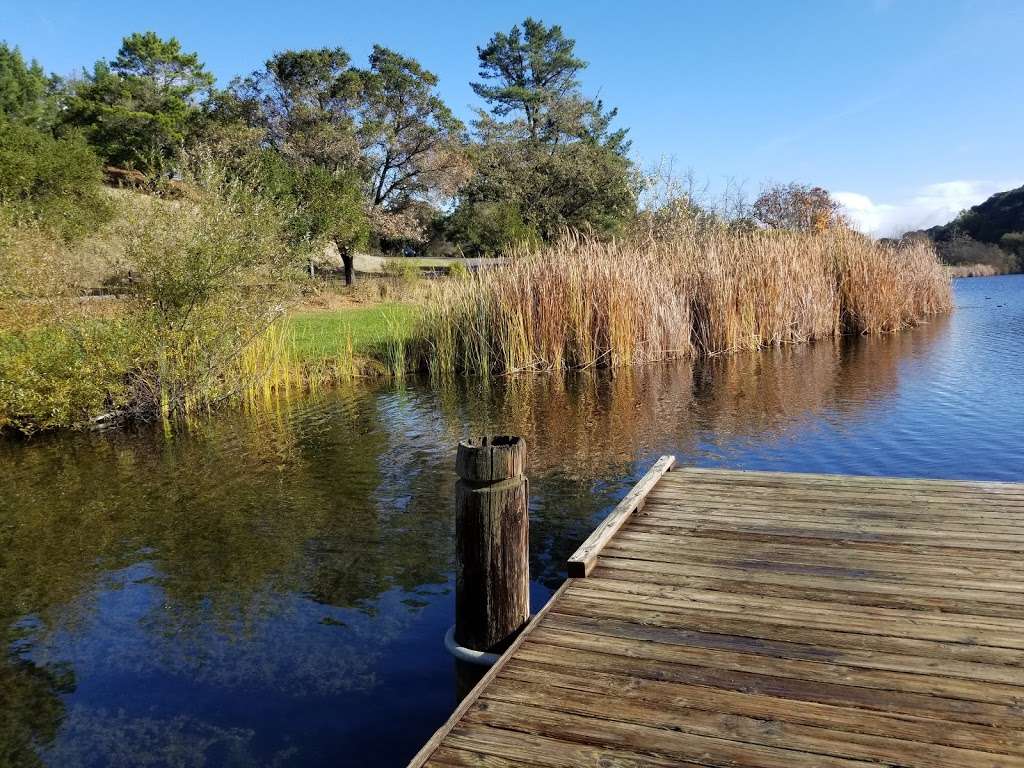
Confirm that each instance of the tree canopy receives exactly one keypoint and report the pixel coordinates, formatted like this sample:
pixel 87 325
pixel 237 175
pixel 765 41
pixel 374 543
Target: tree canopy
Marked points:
pixel 545 153
pixel 386 124
pixel 798 207
pixel 137 109
pixel 26 92
pixel 376 145
pixel 413 145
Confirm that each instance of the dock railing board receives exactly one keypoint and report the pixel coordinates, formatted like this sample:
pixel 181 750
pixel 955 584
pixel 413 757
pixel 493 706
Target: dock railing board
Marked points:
pixel 582 561
pixel 737 618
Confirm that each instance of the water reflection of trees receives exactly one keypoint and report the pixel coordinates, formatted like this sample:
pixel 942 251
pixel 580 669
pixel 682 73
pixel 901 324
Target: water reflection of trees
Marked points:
pixel 228 538
pixel 30 700
pixel 333 513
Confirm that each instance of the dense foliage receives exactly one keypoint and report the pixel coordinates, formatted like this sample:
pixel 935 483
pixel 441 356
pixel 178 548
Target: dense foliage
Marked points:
pixel 27 94
pixel 546 158
pixel 55 183
pixel 137 109
pixel 541 158
pixel 799 207
pixel 208 274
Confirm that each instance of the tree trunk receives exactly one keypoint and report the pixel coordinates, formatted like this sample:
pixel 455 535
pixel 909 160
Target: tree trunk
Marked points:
pixel 347 261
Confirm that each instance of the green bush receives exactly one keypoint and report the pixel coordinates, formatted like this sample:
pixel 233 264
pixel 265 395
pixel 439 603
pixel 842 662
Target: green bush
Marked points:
pixel 209 273
pixel 458 270
pixel 488 228
pixel 55 182
pixel 401 270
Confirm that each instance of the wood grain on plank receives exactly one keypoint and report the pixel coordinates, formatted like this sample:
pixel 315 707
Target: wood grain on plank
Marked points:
pixel 748 619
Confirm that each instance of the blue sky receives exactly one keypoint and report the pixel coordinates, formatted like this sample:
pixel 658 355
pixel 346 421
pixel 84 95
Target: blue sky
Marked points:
pixel 907 110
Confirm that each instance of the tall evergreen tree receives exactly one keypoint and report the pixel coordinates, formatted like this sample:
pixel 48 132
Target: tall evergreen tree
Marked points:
pixel 138 109
pixel 27 94
pixel 547 157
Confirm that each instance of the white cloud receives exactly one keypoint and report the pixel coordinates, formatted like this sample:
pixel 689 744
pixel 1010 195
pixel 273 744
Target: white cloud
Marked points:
pixel 932 204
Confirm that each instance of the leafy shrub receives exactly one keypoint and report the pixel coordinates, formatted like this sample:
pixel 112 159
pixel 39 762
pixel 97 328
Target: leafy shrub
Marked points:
pixel 55 182
pixel 458 270
pixel 402 270
pixel 488 228
pixel 211 273
pixel 66 374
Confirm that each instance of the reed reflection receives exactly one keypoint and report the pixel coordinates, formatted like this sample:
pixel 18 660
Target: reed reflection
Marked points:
pixel 280 553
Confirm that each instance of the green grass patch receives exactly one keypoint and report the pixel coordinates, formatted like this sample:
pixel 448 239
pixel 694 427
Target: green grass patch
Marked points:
pixel 327 335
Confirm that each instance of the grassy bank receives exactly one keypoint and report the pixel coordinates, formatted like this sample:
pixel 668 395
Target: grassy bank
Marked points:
pixel 335 334
pixel 576 304
pixel 972 270
pixel 325 346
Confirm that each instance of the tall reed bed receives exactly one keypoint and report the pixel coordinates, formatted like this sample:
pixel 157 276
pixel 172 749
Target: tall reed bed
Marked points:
pixel 583 303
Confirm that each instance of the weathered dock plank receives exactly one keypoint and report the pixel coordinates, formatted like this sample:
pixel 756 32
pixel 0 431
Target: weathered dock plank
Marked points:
pixel 729 618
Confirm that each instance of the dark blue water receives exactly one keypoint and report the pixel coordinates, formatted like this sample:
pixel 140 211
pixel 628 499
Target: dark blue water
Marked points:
pixel 273 588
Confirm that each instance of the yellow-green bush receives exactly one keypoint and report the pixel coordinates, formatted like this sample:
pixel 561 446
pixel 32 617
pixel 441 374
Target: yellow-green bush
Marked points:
pixel 209 274
pixel 66 375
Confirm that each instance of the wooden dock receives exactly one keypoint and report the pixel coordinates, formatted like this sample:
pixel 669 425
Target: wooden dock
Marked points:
pixel 727 618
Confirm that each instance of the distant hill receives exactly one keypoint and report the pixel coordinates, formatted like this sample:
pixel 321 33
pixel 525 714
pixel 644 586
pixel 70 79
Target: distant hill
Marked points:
pixel 986 222
pixel 991 232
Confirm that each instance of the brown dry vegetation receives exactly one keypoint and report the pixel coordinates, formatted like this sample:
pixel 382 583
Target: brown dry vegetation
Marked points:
pixel 582 303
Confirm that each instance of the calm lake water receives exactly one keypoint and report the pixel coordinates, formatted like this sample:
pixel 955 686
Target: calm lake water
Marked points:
pixel 272 589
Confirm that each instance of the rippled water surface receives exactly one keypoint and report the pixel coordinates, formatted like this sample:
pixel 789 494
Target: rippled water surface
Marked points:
pixel 272 589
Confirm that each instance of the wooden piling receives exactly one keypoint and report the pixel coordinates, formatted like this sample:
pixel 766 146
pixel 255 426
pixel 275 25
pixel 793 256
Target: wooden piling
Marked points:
pixel 492 592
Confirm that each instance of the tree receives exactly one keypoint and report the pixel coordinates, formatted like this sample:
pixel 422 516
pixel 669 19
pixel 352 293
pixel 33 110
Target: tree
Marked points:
pixel 962 249
pixel 544 150
pixel 26 93
pixel 412 143
pixel 799 207
pixel 138 109
pixel 303 101
pixel 320 206
pixel 532 70
pixel 385 123
pixel 303 104
pixel 1013 242
pixel 531 79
